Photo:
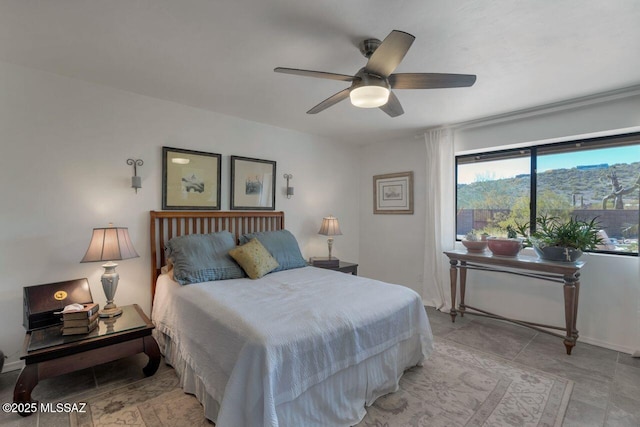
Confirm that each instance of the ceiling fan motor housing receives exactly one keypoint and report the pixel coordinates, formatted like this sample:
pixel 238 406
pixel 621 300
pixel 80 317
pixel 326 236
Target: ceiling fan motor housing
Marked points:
pixel 368 46
pixel 362 78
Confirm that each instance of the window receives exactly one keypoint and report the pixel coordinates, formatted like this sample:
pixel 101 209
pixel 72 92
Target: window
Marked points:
pixel 598 177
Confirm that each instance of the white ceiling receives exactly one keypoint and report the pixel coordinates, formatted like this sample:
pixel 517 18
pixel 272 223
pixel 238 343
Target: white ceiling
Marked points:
pixel 219 55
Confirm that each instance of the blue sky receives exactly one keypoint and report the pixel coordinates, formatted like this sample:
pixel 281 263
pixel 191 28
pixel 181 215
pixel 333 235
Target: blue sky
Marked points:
pixel 590 157
pixel 509 168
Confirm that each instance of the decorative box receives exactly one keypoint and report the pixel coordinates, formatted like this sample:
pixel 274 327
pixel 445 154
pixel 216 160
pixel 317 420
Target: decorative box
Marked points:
pixel 41 301
pixel 325 262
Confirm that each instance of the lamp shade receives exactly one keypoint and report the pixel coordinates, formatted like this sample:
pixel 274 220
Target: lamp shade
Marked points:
pixel 330 226
pixel 110 244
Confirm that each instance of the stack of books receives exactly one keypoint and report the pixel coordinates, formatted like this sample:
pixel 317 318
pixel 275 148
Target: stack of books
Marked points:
pixel 80 321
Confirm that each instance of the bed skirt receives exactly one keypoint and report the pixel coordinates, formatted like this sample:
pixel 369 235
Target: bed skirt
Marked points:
pixel 360 385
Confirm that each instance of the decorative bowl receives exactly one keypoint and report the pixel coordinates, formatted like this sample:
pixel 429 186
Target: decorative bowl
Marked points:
pixel 505 247
pixel 475 246
pixel 557 253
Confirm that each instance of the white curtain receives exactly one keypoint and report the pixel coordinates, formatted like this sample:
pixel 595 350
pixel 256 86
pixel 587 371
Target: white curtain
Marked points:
pixel 440 217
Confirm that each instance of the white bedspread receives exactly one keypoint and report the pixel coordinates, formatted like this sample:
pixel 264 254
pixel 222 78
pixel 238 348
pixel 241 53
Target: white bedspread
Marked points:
pixel 260 343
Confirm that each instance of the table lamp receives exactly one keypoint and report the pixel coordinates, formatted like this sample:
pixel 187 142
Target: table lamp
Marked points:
pixel 110 244
pixel 330 227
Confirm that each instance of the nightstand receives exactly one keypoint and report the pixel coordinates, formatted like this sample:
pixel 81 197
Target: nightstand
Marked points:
pixel 344 267
pixel 48 353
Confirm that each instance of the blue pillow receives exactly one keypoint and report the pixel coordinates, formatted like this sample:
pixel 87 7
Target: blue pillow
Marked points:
pixel 203 257
pixel 281 245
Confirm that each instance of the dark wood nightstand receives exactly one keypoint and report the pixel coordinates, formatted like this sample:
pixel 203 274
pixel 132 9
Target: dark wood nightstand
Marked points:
pixel 48 353
pixel 344 267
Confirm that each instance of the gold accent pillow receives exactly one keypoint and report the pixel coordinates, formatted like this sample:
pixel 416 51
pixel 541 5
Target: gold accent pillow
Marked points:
pixel 254 259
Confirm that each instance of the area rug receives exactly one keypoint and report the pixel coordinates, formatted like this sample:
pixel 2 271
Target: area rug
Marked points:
pixel 457 386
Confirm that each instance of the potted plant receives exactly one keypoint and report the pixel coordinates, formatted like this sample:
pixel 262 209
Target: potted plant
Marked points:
pixel 473 243
pixel 506 246
pixel 554 240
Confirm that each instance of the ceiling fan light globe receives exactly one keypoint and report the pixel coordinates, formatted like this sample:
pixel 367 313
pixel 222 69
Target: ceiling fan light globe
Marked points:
pixel 369 96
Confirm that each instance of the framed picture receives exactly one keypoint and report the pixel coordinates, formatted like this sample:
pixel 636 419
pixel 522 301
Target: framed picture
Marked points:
pixel 190 179
pixel 393 193
pixel 253 183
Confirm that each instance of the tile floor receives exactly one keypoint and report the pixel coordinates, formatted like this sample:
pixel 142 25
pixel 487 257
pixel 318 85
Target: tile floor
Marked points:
pixel 606 390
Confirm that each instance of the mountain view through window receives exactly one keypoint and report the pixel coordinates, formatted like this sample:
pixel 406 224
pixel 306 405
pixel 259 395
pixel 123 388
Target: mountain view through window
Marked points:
pixel 589 179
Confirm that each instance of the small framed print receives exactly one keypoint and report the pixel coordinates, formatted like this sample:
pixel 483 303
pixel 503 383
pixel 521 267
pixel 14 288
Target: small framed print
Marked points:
pixel 393 193
pixel 253 183
pixel 190 179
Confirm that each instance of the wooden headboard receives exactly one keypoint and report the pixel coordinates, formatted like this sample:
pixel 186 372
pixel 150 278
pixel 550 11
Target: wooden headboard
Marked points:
pixel 168 224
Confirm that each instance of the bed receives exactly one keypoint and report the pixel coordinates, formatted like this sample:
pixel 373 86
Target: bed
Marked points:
pixel 297 347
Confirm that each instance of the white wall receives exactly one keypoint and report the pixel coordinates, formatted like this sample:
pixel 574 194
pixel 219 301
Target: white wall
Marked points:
pixel 392 249
pixel 636 353
pixel 603 117
pixel 392 246
pixel 63 171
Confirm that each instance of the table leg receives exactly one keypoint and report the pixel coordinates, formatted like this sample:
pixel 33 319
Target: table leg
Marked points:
pixel 569 311
pixel 152 350
pixel 25 384
pixel 575 306
pixel 463 286
pixel 453 273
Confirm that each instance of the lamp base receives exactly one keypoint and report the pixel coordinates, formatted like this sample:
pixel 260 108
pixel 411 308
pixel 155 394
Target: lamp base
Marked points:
pixel 109 285
pixel 110 312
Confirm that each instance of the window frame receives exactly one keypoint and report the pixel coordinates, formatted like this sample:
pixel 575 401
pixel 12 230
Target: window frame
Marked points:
pixel 534 151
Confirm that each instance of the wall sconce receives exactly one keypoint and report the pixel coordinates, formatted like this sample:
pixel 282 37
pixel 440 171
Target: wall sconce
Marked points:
pixel 288 176
pixel 136 181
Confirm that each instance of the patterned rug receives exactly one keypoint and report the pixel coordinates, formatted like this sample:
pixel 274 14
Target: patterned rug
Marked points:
pixel 457 386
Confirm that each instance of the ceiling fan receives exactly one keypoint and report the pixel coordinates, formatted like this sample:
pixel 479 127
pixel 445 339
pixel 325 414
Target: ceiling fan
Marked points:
pixel 371 85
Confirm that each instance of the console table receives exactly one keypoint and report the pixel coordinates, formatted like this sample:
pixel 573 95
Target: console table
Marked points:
pixel 567 273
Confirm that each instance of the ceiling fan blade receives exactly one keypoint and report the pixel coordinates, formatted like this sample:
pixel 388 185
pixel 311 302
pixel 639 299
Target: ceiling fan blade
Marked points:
pixel 392 107
pixel 317 74
pixel 430 80
pixel 332 100
pixel 388 55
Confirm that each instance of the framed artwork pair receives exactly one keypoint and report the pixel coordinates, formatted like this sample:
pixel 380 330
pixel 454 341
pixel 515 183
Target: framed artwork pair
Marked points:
pixel 192 180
